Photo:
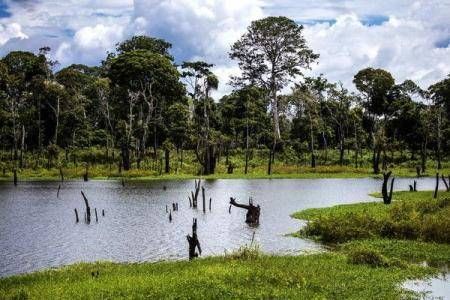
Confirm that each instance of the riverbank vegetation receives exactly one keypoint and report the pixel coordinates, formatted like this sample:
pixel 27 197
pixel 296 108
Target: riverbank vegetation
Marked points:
pixel 324 275
pixel 140 113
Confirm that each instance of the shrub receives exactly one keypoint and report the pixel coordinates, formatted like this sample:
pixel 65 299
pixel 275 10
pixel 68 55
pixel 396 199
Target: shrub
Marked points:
pixel 367 256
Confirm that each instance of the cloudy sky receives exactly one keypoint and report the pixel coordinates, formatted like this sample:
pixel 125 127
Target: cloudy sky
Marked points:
pixel 409 38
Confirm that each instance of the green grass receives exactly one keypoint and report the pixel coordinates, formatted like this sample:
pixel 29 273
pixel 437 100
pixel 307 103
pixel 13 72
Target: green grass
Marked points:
pixel 412 216
pixel 287 165
pixel 317 276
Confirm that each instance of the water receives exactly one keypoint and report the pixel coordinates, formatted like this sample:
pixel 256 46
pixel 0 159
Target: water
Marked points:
pixel 432 288
pixel 38 230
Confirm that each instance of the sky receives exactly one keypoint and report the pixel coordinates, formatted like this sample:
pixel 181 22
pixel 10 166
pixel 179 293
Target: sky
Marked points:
pixel 411 39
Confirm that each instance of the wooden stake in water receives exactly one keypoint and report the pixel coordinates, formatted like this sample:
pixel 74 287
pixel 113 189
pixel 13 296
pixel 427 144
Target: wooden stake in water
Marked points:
pixel 203 198
pixel 96 216
pixel 76 216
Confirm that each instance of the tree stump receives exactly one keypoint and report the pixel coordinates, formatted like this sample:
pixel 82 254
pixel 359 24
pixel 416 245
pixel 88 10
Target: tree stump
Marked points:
pixel 253 212
pixel 193 242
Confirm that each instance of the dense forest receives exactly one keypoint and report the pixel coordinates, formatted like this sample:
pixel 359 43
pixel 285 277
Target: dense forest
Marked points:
pixel 141 110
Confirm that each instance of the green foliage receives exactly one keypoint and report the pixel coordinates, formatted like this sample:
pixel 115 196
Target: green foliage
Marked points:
pixel 414 217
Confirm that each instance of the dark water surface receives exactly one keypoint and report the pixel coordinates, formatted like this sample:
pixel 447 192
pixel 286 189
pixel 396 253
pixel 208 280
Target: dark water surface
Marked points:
pixel 38 230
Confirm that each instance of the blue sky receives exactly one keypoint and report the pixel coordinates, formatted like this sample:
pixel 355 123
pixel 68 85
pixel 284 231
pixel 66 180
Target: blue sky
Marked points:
pixel 408 38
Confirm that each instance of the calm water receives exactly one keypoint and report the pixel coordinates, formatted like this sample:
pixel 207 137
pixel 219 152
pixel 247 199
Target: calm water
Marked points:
pixel 38 230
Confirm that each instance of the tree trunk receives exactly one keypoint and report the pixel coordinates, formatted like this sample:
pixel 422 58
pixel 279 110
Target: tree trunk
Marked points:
pixel 125 157
pixel 167 160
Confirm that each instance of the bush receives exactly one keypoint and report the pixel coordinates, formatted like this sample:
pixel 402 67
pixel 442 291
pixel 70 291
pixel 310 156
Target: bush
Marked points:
pixel 367 256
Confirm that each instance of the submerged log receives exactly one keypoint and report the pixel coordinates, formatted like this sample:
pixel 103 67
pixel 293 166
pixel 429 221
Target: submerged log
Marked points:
pixel 387 197
pixel 193 242
pixel 253 212
pixel 88 209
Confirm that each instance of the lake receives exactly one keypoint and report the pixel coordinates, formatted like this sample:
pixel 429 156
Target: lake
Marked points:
pixel 38 230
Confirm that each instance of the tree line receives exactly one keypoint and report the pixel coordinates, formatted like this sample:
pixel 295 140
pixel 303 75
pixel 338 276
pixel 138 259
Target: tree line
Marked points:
pixel 140 102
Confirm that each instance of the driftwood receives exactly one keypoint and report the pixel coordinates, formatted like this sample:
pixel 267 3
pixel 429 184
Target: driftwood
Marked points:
pixel 253 212
pixel 387 198
pixel 437 186
pixel 193 242
pixel 447 184
pixel 76 215
pixel 88 209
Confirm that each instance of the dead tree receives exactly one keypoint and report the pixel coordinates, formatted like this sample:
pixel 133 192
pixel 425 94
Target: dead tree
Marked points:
pixel 76 215
pixel 413 187
pixel 253 212
pixel 61 175
pixel 437 186
pixel 85 175
pixel 15 176
pixel 418 169
pixel 387 198
pixel 447 184
pixel 203 197
pixel 194 195
pixel 193 242
pixel 88 209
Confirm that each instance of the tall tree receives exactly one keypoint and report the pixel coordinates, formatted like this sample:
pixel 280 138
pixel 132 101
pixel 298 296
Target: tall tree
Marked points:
pixel 375 84
pixel 270 54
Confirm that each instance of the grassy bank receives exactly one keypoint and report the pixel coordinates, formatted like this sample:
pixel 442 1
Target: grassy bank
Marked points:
pixel 316 276
pixel 101 172
pixel 101 165
pixel 412 216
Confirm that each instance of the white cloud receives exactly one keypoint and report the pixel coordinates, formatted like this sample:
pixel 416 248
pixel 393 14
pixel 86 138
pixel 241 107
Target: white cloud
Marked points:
pixel 408 38
pixel 10 31
pixel 402 46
